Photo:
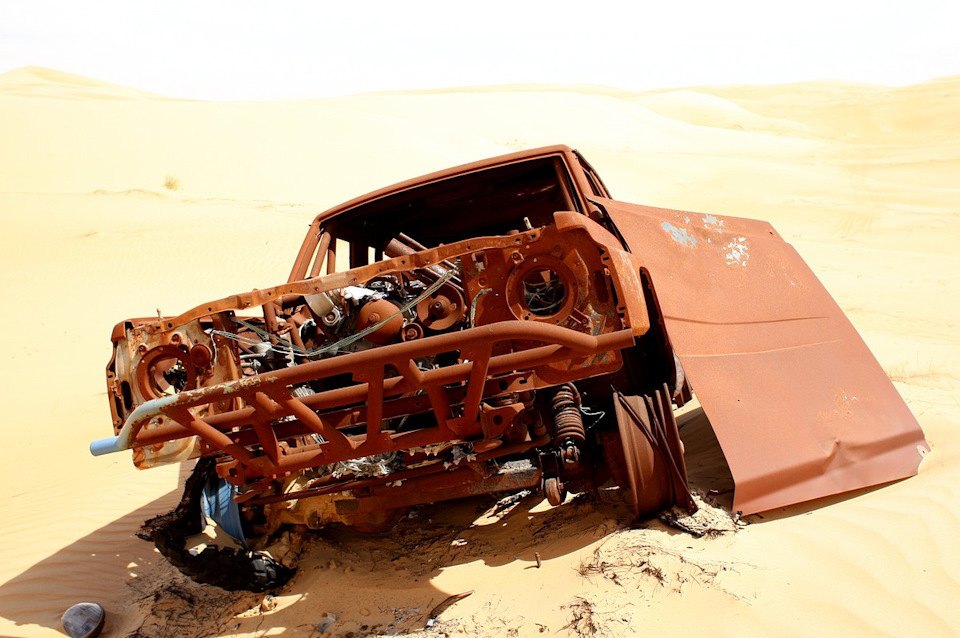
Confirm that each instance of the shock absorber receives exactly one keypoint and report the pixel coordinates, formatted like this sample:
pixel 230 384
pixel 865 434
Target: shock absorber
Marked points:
pixel 568 423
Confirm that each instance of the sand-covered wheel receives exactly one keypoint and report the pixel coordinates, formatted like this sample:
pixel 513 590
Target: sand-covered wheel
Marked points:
pixel 229 568
pixel 652 464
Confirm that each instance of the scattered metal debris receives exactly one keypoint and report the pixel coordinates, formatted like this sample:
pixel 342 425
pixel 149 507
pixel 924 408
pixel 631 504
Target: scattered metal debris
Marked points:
pixel 326 622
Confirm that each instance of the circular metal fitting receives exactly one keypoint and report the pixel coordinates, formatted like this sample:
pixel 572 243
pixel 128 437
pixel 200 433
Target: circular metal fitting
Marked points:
pixel 412 332
pixel 443 309
pixel 541 288
pixel 164 370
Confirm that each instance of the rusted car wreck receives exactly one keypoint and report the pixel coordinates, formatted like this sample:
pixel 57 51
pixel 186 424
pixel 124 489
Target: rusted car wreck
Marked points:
pixel 498 326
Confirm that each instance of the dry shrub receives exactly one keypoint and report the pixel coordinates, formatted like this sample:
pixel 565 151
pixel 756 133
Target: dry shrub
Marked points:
pixel 583 622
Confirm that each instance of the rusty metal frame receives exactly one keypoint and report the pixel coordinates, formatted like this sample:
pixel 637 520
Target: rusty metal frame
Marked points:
pixel 269 401
pixel 265 428
pixel 613 254
pixel 434 479
pixel 571 177
pixel 736 305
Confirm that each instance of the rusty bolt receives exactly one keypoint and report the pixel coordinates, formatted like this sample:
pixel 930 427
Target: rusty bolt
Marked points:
pixel 374 317
pixel 142 348
pixel 516 256
pixel 410 334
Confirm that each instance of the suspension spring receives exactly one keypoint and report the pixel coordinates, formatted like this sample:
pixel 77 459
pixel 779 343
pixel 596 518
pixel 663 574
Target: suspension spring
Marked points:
pixel 568 422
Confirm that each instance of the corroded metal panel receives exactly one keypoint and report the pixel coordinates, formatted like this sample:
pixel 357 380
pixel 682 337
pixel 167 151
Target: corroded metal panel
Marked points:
pixel 801 407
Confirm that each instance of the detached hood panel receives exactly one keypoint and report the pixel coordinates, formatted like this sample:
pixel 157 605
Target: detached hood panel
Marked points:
pixel 799 404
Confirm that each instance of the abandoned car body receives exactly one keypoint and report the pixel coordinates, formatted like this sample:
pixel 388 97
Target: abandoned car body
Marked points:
pixel 506 325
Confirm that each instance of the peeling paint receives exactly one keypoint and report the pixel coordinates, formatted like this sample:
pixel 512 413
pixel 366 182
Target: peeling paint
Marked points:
pixel 738 252
pixel 712 222
pixel 679 235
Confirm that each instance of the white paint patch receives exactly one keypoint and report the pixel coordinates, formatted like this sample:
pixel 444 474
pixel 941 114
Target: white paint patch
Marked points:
pixel 738 252
pixel 679 235
pixel 711 222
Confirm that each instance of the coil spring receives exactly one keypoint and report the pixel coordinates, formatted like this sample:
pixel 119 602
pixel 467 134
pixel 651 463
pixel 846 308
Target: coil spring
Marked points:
pixel 567 420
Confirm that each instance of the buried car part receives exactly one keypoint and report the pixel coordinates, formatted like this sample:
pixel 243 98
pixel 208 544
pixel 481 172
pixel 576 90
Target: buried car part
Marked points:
pixel 505 325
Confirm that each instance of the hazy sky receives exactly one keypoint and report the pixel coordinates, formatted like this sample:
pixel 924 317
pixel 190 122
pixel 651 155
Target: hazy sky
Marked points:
pixel 234 49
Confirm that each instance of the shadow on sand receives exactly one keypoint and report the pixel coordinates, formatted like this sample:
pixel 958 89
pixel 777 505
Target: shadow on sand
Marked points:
pixel 99 567
pixel 371 582
pixel 368 583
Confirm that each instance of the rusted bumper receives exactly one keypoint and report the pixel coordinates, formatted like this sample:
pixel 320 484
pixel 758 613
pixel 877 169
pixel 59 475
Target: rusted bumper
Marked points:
pixel 799 404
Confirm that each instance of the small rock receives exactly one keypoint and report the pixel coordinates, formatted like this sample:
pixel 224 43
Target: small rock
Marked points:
pixel 269 603
pixel 83 620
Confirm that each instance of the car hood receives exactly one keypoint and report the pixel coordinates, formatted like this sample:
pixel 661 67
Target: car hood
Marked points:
pixel 799 404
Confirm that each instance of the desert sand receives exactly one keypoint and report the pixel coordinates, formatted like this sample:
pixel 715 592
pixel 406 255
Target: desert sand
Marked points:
pixel 119 203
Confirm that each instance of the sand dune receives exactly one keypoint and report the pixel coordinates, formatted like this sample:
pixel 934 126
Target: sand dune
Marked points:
pixel 37 82
pixel 115 202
